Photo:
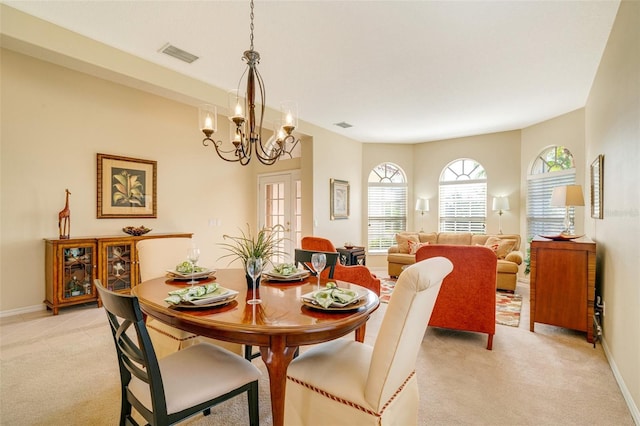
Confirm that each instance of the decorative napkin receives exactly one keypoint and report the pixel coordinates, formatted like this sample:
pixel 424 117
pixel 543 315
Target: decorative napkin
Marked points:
pixel 196 292
pixel 187 267
pixel 285 269
pixel 333 294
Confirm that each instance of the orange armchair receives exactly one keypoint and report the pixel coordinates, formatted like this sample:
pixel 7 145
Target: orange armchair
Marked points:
pixel 467 299
pixel 357 274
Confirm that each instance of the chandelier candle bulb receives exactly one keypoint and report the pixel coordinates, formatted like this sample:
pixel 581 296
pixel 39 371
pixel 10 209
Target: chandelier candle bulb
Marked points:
pixel 238 112
pixel 208 124
pixel 208 119
pixel 289 111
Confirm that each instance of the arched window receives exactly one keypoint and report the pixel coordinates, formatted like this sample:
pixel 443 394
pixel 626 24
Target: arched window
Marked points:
pixel 552 167
pixel 463 197
pixel 387 206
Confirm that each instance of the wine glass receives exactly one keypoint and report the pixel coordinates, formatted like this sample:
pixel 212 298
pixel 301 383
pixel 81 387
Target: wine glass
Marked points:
pixel 193 254
pixel 254 269
pixel 318 261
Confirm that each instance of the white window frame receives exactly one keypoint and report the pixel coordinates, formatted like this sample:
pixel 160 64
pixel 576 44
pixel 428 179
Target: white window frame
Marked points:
pixel 462 202
pixel 387 207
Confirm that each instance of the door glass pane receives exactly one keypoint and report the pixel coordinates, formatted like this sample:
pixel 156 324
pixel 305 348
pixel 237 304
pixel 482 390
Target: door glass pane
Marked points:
pixel 279 203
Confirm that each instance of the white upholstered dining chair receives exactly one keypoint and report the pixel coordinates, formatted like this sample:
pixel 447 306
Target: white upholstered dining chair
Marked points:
pixel 344 382
pixel 155 256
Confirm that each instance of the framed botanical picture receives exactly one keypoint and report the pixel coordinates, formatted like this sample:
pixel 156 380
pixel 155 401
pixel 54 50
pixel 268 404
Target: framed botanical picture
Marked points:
pixel 126 187
pixel 339 199
pixel 597 211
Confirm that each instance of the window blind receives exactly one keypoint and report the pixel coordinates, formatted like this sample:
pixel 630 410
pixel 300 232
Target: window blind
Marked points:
pixel 542 218
pixel 463 206
pixel 387 215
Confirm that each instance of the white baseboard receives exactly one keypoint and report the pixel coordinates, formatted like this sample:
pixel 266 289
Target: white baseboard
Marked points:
pixel 25 310
pixel 633 408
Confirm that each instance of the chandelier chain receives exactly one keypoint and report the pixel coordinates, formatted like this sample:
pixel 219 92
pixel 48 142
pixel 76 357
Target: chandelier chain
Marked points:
pixel 251 26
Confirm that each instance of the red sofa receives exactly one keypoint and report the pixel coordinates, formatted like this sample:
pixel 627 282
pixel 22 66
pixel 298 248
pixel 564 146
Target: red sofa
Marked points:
pixel 467 299
pixel 357 274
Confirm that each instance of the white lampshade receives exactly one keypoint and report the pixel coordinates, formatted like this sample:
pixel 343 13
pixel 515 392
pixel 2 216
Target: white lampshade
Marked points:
pixel 568 195
pixel 422 204
pixel 500 203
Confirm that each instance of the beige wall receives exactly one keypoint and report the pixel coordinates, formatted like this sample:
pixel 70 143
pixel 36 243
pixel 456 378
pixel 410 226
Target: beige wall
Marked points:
pixel 613 129
pixel 336 157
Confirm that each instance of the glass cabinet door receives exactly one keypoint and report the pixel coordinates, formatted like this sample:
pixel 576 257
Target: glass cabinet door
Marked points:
pixel 118 265
pixel 78 271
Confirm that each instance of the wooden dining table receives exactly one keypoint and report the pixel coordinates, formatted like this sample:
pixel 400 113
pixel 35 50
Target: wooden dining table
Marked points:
pixel 278 326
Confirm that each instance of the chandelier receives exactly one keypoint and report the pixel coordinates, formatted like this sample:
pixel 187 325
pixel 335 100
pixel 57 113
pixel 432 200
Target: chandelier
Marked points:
pixel 246 127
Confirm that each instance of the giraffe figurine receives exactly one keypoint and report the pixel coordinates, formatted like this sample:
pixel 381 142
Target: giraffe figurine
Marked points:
pixel 64 219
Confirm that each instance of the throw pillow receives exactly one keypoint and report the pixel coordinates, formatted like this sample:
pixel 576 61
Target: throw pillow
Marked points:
pixel 403 241
pixel 413 246
pixel 499 246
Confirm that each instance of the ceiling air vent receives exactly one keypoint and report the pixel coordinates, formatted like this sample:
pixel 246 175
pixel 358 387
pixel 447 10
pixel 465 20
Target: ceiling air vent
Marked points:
pixel 177 53
pixel 343 125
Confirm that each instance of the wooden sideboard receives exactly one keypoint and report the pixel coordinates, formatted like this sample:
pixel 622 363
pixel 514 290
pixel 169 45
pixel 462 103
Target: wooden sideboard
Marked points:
pixel 563 275
pixel 71 265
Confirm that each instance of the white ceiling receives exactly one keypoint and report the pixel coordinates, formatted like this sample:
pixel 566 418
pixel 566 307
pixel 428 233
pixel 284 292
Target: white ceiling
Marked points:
pixel 398 71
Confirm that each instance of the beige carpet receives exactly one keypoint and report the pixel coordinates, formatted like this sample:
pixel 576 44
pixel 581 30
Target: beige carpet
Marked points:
pixel 62 371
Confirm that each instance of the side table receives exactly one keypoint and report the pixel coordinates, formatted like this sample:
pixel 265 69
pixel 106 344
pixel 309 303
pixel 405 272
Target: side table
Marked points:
pixel 352 256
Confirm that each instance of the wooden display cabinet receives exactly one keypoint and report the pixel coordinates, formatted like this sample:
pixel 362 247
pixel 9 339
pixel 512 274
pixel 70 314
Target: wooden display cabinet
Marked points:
pixel 71 265
pixel 562 283
pixel 69 272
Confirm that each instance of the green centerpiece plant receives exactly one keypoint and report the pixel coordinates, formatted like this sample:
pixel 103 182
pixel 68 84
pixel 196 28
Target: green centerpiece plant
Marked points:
pixel 267 244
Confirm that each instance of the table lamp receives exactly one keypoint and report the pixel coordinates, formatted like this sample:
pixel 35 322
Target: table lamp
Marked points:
pixel 500 204
pixel 567 196
pixel 422 205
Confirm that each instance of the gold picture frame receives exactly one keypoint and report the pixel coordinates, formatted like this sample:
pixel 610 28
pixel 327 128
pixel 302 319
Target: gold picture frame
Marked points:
pixel 339 199
pixel 126 187
pixel 597 169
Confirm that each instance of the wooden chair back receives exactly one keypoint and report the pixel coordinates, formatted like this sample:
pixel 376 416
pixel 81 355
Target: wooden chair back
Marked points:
pixel 303 257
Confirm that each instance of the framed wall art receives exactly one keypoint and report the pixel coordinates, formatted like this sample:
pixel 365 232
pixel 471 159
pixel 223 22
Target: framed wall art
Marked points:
pixel 339 199
pixel 126 187
pixel 597 169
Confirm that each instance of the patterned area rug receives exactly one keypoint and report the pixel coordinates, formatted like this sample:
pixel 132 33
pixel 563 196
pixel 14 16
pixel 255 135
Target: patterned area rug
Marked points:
pixel 386 288
pixel 508 305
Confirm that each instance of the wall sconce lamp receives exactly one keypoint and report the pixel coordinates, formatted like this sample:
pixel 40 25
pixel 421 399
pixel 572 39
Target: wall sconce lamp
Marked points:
pixel 422 205
pixel 567 196
pixel 500 204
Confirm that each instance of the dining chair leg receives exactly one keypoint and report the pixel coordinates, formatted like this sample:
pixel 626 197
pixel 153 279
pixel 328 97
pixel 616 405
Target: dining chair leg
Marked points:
pixel 252 398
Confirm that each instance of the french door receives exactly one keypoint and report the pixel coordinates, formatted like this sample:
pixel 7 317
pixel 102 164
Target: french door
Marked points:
pixel 279 203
